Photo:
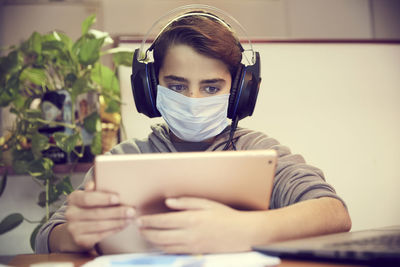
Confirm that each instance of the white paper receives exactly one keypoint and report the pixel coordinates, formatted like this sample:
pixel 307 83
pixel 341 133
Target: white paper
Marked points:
pixel 248 259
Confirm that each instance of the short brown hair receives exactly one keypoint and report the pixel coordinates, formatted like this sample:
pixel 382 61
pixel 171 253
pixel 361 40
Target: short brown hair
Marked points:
pixel 205 34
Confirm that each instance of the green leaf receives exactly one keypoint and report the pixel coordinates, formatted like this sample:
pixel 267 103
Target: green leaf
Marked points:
pixel 123 58
pixel 53 36
pixel 33 44
pixel 19 101
pixel 96 146
pixel 21 160
pixel 42 199
pixel 65 39
pixel 36 43
pixel 101 35
pixel 13 82
pixel 41 168
pixel 10 63
pixel 3 183
pixel 92 123
pixel 53 196
pixel 65 186
pixel 89 51
pixel 112 106
pixel 20 166
pixel 33 236
pixel 53 45
pixel 87 23
pixel 6 97
pixel 77 45
pixel 58 46
pixel 66 142
pixel 10 222
pixel 34 75
pixel 39 142
pixel 8 94
pixel 80 86
pixel 106 78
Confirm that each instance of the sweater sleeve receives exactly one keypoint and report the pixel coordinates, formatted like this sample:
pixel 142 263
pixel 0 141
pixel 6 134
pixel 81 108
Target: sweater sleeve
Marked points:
pixel 295 180
pixel 42 237
pixel 58 217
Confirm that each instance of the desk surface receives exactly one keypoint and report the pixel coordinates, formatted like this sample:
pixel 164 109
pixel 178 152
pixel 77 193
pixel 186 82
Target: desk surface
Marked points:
pixel 80 259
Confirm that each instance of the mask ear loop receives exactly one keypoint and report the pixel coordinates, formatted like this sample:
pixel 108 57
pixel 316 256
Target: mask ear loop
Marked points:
pixel 142 55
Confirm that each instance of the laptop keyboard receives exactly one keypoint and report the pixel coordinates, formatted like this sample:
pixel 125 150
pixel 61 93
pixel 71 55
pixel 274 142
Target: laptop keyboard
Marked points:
pixel 384 242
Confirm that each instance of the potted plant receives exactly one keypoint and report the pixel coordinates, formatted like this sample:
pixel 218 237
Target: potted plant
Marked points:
pixel 41 81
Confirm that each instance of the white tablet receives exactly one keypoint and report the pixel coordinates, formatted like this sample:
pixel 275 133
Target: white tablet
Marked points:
pixel 240 179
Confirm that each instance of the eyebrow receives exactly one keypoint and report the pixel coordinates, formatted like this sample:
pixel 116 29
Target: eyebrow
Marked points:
pixel 217 80
pixel 176 78
pixel 181 79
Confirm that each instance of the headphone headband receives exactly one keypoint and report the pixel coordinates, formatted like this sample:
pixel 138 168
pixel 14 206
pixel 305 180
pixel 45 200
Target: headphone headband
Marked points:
pixel 177 14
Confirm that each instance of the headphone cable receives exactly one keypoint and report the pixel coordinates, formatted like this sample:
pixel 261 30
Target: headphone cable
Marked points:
pixel 231 133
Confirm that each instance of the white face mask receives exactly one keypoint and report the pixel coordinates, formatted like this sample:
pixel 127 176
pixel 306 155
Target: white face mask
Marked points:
pixel 193 119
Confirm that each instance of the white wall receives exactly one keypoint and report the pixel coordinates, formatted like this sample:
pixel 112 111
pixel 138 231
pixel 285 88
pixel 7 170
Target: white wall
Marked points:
pixel 287 19
pixel 19 21
pixel 336 104
pixel 339 106
pixel 336 19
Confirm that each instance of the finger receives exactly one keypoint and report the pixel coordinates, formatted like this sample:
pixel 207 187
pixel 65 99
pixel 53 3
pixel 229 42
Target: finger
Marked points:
pixel 88 241
pixel 89 186
pixel 164 237
pixel 92 199
pixel 74 213
pixel 170 220
pixel 96 227
pixel 190 203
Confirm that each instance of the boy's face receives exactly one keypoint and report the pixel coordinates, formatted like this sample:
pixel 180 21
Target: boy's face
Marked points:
pixel 192 74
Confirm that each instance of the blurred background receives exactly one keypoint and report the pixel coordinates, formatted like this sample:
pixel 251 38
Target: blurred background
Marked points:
pixel 330 89
pixel 266 19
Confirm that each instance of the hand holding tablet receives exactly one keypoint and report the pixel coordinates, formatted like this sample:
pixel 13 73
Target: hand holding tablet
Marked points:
pixel 239 179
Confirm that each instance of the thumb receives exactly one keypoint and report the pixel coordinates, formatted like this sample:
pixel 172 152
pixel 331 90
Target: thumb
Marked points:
pixel 190 203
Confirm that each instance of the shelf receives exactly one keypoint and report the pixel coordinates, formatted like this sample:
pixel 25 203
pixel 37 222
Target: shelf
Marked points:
pixel 81 167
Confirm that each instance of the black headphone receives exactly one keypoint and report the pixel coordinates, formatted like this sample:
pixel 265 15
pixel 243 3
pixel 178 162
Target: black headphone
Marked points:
pixel 243 93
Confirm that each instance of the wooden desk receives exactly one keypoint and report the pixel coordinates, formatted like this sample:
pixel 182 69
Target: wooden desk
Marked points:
pixel 79 259
pixel 27 259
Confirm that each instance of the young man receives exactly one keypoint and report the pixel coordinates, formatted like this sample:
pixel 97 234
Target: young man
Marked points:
pixel 195 60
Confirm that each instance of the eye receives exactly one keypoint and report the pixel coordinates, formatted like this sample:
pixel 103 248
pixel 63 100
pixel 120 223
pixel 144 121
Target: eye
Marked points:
pixel 177 87
pixel 211 90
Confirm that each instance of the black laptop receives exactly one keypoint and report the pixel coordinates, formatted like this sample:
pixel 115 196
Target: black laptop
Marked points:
pixel 379 247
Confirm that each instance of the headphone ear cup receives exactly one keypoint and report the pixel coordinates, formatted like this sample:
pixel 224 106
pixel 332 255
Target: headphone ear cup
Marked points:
pixel 152 89
pixel 144 87
pixel 152 79
pixel 234 91
pixel 244 90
